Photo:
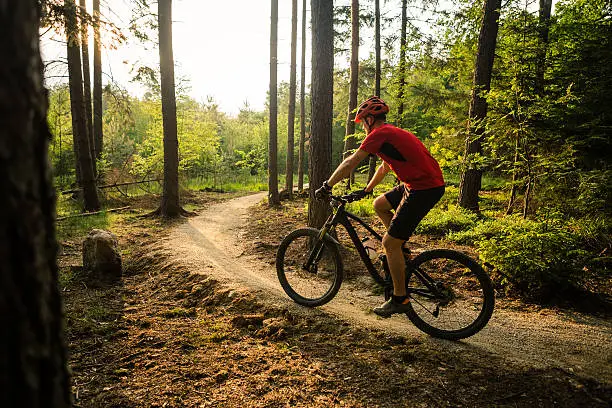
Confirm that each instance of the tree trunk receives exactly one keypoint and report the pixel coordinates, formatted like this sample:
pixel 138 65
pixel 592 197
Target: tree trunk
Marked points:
pixel 350 143
pixel 33 356
pixel 302 102
pixel 543 30
pixel 402 65
pixel 291 116
pixel 513 189
pixel 273 196
pixel 472 175
pixel 377 74
pixel 170 206
pixel 530 184
pixel 77 107
pixel 97 83
pixel 321 106
pixel 87 83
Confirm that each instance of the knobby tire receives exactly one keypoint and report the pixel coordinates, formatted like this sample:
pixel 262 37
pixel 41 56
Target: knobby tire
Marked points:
pixel 296 282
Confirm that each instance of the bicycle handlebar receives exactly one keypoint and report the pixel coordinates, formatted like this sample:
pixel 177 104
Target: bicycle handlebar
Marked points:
pixel 347 198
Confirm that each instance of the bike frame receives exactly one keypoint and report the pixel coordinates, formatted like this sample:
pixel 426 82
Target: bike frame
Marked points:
pixel 343 217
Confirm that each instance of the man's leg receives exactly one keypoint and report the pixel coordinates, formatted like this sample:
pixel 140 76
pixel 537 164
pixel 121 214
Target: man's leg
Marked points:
pixel 413 207
pixel 386 203
pixel 397 263
pixel 384 210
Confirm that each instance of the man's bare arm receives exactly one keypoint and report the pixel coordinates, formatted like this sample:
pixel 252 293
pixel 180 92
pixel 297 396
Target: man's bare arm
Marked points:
pixel 347 166
pixel 382 170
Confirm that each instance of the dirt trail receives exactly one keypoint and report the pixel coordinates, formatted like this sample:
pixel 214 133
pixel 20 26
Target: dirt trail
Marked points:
pixel 212 243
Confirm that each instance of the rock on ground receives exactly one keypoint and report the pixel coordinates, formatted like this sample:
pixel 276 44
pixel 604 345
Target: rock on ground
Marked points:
pixel 101 256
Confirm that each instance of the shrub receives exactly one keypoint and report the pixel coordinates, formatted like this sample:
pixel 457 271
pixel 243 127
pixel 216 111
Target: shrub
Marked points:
pixel 490 228
pixel 541 258
pixel 440 221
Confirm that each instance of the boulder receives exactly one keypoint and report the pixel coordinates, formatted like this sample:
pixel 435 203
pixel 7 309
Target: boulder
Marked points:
pixel 101 257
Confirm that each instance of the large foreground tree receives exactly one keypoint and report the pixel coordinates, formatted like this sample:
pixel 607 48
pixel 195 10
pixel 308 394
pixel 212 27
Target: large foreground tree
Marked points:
pixel 320 145
pixel 33 371
pixel 170 206
pixel 471 177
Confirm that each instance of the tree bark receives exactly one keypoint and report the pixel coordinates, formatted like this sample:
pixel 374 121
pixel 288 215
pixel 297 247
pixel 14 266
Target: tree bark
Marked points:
pixel 170 206
pixel 302 102
pixel 77 107
pixel 402 65
pixel 350 143
pixel 273 196
pixel 472 174
pixel 87 82
pixel 543 30
pixel 97 83
pixel 321 107
pixel 33 356
pixel 513 189
pixel 291 116
pixel 377 74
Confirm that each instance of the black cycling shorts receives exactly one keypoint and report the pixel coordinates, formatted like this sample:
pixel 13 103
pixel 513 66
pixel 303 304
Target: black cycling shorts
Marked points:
pixel 411 206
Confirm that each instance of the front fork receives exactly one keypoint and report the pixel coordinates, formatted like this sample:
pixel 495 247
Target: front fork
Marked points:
pixel 317 248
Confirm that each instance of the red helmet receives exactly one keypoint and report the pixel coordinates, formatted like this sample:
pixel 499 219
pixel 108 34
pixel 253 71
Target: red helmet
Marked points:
pixel 371 106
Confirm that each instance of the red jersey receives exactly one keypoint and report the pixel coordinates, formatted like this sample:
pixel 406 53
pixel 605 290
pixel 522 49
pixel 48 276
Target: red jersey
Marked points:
pixel 406 155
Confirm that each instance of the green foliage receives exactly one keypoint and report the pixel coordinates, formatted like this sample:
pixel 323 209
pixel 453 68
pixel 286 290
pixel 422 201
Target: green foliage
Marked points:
pixel 76 227
pixel 542 257
pixel 440 221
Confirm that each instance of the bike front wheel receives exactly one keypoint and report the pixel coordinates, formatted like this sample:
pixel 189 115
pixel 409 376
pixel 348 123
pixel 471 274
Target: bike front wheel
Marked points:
pixel 452 296
pixel 311 283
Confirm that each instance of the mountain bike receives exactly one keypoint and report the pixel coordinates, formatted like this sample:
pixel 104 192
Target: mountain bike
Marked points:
pixel 451 295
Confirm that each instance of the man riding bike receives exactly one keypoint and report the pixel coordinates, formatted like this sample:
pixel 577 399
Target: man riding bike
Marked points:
pixel 403 207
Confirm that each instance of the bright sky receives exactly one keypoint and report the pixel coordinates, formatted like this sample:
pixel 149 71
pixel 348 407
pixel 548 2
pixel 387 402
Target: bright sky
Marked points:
pixel 222 47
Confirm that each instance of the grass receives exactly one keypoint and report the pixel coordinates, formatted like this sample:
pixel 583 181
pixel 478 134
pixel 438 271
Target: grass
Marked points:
pixel 71 228
pixel 489 182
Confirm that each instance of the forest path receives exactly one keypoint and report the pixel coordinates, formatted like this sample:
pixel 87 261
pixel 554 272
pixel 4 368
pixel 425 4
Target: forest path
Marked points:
pixel 213 244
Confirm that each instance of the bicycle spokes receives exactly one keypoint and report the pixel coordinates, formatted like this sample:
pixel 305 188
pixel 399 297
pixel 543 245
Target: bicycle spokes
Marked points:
pixel 445 294
pixel 309 267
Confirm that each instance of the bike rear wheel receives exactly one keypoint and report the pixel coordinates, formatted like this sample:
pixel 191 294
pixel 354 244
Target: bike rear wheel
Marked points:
pixel 319 284
pixel 452 297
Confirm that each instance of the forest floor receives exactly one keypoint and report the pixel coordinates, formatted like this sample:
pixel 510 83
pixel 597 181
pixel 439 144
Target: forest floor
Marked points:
pixel 200 320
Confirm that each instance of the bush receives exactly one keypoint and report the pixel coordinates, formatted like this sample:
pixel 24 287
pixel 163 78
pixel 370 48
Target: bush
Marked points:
pixel 487 229
pixel 440 221
pixel 541 258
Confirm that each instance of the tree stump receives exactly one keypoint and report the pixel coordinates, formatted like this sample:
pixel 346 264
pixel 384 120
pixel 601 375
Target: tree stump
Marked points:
pixel 101 257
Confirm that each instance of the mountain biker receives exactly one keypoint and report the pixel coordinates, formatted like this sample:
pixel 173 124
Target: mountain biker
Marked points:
pixel 403 207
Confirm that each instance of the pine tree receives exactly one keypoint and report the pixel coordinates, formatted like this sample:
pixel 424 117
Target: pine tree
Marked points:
pixel 170 206
pixel 377 74
pixel 33 356
pixel 350 143
pixel 319 166
pixel 273 196
pixel 472 175
pixel 97 83
pixel 291 116
pixel 302 103
pixel 79 126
